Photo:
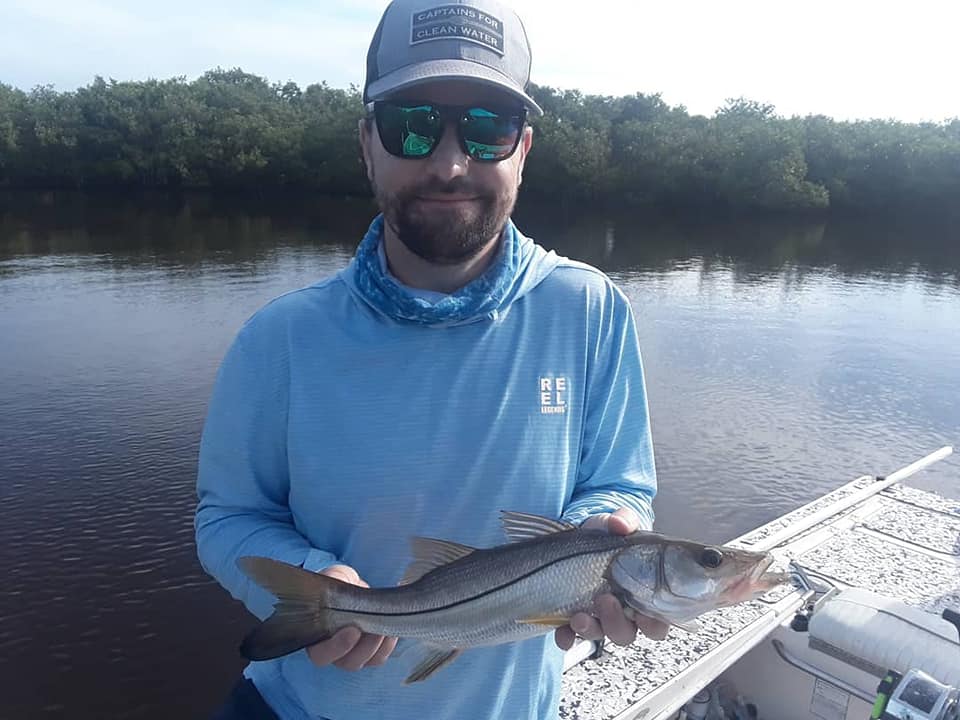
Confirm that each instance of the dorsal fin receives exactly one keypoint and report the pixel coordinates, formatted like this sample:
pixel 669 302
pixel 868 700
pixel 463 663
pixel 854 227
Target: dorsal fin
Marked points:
pixel 429 554
pixel 525 526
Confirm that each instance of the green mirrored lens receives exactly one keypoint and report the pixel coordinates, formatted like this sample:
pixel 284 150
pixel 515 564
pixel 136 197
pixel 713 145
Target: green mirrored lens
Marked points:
pixel 416 145
pixel 490 135
pixel 409 131
pixel 423 119
pixel 413 131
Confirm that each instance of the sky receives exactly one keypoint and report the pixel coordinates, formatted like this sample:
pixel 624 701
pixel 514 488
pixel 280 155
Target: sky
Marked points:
pixel 848 59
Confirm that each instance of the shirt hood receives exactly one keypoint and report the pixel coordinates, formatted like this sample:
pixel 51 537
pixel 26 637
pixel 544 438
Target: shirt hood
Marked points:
pixel 519 267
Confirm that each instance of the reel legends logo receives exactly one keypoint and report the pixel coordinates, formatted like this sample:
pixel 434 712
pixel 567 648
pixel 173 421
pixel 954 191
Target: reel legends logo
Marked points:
pixel 553 395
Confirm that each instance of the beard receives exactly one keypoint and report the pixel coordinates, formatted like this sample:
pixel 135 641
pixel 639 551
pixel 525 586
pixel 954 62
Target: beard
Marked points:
pixel 446 236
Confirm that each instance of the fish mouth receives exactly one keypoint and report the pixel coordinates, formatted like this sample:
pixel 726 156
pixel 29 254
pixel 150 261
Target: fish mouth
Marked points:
pixel 758 581
pixel 761 567
pixel 764 579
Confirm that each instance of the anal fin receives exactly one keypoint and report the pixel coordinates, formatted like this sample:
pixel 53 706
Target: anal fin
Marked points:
pixel 437 659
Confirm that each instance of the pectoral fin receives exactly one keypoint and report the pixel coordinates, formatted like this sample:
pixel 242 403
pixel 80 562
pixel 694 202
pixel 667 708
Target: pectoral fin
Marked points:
pixel 433 662
pixel 551 621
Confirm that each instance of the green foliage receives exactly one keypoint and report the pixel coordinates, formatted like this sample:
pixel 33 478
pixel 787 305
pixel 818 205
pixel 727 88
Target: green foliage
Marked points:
pixel 572 150
pixel 874 165
pixel 330 152
pixel 637 150
pixel 12 104
pixel 230 129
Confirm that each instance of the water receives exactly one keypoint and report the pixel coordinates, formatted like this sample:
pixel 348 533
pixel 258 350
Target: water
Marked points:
pixel 782 359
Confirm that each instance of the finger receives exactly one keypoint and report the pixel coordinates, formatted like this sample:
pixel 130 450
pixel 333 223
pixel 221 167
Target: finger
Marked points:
pixel 623 522
pixel 653 629
pixel 616 626
pixel 380 657
pixel 331 650
pixel 358 656
pixel 586 626
pixel 596 522
pixel 345 573
pixel 565 637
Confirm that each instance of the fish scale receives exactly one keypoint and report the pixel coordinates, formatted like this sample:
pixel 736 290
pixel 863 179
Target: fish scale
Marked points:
pixel 558 589
pixel 484 571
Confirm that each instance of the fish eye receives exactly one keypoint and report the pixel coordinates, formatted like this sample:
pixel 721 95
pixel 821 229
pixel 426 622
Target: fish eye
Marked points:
pixel 711 558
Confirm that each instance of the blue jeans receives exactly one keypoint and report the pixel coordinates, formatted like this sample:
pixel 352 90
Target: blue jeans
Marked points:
pixel 244 703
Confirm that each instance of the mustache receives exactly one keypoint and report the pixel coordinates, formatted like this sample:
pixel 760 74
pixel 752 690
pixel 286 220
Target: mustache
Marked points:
pixel 458 186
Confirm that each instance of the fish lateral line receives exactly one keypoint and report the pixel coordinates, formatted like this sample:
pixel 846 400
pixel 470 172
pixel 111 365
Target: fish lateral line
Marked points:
pixel 470 599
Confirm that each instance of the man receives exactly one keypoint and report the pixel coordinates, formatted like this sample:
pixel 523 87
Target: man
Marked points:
pixel 453 370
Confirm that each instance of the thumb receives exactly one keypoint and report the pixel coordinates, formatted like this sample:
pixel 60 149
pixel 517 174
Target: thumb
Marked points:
pixel 622 521
pixel 345 573
pixel 596 522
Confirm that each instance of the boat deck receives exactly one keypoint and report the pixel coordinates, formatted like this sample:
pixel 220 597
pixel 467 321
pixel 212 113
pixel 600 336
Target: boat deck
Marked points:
pixel 900 542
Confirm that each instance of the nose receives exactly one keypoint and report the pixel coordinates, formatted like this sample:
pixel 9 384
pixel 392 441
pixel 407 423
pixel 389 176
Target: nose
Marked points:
pixel 448 161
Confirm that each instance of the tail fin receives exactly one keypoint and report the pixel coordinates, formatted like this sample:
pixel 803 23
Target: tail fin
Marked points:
pixel 301 616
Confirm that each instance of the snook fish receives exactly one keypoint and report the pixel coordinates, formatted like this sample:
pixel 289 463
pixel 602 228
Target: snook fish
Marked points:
pixel 454 597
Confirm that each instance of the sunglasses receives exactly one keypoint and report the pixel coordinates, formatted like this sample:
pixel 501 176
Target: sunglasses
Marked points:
pixel 413 130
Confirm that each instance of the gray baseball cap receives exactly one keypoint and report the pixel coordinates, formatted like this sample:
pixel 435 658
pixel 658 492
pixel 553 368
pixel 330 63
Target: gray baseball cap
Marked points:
pixel 419 41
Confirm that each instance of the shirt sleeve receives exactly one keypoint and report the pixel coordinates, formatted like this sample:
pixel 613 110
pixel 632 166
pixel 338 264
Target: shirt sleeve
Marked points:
pixel 243 479
pixel 617 466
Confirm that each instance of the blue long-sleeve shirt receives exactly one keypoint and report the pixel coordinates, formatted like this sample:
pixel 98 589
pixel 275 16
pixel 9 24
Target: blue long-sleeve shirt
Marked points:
pixel 352 414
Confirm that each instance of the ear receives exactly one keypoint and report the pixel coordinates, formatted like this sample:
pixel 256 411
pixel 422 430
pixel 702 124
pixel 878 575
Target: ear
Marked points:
pixel 365 130
pixel 526 142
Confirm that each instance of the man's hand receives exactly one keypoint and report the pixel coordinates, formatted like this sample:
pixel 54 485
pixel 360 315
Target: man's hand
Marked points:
pixel 349 648
pixel 609 618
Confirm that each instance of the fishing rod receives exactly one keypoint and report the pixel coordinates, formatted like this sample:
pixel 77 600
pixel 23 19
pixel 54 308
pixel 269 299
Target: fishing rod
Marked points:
pixel 879 485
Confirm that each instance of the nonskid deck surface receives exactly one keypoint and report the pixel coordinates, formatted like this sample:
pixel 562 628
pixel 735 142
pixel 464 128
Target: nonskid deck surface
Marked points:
pixel 908 548
pixel 903 542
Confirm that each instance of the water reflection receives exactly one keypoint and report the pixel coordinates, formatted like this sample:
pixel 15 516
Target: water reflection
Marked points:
pixel 176 231
pixel 755 248
pixel 193 229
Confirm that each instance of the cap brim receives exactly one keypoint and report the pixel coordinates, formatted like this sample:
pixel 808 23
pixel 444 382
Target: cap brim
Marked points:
pixel 433 70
